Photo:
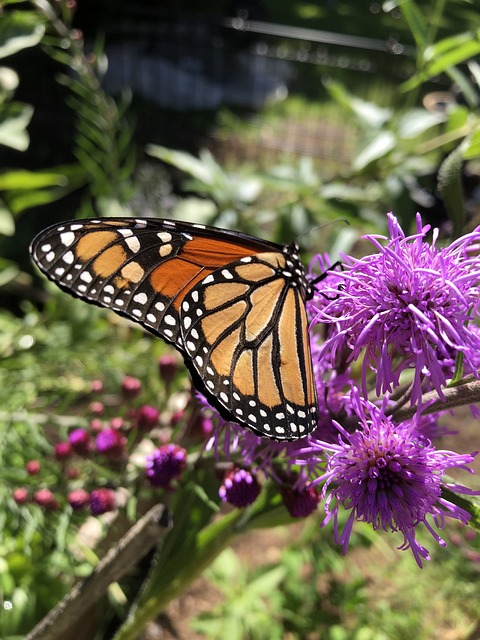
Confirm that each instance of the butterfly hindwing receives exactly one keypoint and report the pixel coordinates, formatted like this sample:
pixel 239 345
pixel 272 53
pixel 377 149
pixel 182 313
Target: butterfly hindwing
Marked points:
pixel 244 329
pixel 232 304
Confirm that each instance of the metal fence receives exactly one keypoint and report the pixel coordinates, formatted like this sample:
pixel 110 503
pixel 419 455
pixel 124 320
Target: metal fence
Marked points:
pixel 191 70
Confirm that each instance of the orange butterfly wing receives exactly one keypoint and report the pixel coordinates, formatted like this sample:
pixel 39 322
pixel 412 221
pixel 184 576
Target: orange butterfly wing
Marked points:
pixel 243 297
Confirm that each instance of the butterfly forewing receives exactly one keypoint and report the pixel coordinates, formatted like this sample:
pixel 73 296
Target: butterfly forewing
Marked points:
pixel 232 304
pixel 140 268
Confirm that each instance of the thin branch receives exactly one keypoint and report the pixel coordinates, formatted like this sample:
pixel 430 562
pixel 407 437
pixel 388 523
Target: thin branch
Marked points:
pixel 461 395
pixel 135 544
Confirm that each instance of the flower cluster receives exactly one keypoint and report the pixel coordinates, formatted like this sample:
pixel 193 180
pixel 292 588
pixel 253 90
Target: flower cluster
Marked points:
pixel 406 314
pixel 89 455
pixel 389 333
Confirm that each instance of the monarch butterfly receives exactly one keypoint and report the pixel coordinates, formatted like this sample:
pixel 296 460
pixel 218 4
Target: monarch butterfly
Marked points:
pixel 233 305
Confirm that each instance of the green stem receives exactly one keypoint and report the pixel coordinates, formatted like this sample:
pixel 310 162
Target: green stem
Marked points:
pixel 184 557
pixel 175 579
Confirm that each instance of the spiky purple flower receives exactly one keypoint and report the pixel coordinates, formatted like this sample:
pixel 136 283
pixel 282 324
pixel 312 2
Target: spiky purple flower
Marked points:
pixel 389 475
pixel 239 487
pixel 411 305
pixel 165 464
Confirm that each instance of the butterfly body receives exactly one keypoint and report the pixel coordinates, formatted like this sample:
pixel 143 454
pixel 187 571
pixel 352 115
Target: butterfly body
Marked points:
pixel 232 304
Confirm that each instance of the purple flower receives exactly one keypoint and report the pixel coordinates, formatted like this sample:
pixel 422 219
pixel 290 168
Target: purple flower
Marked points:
pixel 239 487
pixel 130 387
pixel 165 464
pixel 46 499
pixel 78 498
pixel 63 450
pixel 110 442
pixel 80 441
pixel 167 368
pixel 146 417
pixel 101 501
pixel 390 476
pixel 300 503
pixel 411 305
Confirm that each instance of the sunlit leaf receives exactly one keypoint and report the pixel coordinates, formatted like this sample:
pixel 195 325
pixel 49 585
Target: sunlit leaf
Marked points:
pixel 24 179
pixel 7 224
pixel 14 119
pixel 471 146
pixel 445 55
pixel 417 121
pixel 414 19
pixel 19 30
pixel 382 144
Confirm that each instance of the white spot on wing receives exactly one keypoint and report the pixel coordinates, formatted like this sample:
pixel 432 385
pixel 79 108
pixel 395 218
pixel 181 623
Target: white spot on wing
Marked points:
pixel 67 238
pixel 141 298
pixel 133 243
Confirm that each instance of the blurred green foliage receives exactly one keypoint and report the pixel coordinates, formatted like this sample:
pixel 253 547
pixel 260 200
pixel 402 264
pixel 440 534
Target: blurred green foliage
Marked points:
pixel 51 350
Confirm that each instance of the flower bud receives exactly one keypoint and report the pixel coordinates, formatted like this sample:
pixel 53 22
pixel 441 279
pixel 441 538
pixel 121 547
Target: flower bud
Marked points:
pixel 101 501
pixel 240 488
pixel 165 464
pixel 78 498
pixel 33 467
pixel 20 495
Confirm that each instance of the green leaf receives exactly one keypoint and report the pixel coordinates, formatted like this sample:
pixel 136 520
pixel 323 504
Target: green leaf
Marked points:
pixel 183 161
pixel 469 503
pixel 19 30
pixel 367 113
pixel 266 582
pixel 14 119
pixel 444 55
pixel 471 146
pixel 450 187
pixel 7 223
pixel 8 80
pixel 414 19
pixel 417 121
pixel 23 179
pixel 226 568
pixel 380 146
pixel 459 44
